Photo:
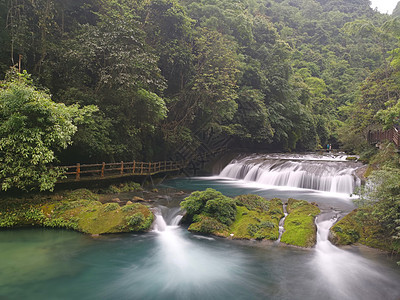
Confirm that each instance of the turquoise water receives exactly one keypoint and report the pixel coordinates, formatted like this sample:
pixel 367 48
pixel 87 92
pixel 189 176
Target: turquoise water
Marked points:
pixel 175 264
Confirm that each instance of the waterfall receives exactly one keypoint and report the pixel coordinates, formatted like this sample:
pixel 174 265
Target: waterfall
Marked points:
pixel 336 269
pixel 166 218
pixel 281 224
pixel 329 174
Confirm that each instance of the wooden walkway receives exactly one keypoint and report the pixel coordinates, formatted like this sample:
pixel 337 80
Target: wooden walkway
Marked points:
pixel 378 136
pixel 113 170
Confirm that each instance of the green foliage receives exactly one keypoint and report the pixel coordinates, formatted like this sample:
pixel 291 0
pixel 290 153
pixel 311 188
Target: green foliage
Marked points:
pixel 32 128
pixel 253 202
pixel 124 188
pixel 130 207
pixel 81 194
pixel 168 73
pixel 208 225
pixel 135 219
pixel 210 203
pixel 253 218
pixel 195 203
pixel 222 209
pixel 110 206
pixel 380 199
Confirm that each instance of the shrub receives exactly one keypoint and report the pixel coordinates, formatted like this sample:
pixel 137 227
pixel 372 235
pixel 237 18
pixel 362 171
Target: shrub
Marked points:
pixel 211 203
pixel 206 224
pixel 252 202
pixel 195 203
pixel 110 206
pixel 130 207
pixel 135 219
pixel 223 209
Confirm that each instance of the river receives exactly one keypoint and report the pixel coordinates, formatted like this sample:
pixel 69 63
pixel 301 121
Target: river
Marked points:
pixel 171 263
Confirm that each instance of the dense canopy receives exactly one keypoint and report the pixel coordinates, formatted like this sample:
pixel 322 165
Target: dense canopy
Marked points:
pixel 168 75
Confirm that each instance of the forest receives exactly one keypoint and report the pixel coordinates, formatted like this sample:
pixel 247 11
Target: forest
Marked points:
pixel 140 79
pixel 154 81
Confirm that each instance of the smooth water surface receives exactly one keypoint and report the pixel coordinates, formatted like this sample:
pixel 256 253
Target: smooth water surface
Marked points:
pixel 171 263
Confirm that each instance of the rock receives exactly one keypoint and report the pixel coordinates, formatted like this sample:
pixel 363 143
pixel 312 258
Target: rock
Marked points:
pixel 138 199
pixel 117 200
pixel 95 235
pixel 129 202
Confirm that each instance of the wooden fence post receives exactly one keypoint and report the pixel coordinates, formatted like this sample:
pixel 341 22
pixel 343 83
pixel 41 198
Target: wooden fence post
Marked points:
pixel 78 171
pixel 122 168
pixel 134 167
pixel 150 167
pixel 102 169
pixel 141 170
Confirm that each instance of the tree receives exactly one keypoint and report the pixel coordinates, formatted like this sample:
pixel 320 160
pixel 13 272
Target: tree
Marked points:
pixel 32 128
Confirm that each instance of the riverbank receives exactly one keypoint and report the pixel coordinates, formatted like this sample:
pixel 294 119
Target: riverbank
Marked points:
pixel 355 229
pixel 78 210
pixel 128 208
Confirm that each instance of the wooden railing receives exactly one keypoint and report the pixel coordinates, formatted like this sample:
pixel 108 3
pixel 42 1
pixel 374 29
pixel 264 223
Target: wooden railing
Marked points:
pixel 392 135
pixel 103 170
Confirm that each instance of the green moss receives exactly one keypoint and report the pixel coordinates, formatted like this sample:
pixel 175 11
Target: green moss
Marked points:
pixel 85 215
pixel 351 158
pixel 254 217
pixel 81 194
pixel 209 225
pixel 260 223
pixel 110 206
pixel 300 229
pixel 123 188
pixel 252 202
pixel 353 228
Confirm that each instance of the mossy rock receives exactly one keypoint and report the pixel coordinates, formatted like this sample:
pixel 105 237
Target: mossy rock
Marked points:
pixel 255 217
pixel 208 225
pixel 351 158
pixel 84 215
pixel 346 231
pixel 123 188
pixel 300 229
pixel 252 202
pixel 354 229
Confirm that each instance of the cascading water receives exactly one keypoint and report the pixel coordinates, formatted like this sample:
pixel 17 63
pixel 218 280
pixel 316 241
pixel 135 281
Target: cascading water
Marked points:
pixel 337 269
pixel 181 268
pixel 281 224
pixel 323 173
pixel 164 216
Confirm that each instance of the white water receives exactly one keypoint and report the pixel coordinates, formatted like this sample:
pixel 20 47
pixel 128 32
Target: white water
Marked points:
pixel 345 274
pixel 328 174
pixel 181 263
pixel 281 224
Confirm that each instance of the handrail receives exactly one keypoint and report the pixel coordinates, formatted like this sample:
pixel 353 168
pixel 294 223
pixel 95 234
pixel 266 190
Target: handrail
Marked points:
pixel 122 168
pixel 391 134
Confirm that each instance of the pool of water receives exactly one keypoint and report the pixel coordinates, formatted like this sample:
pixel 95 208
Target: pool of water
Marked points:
pixel 174 264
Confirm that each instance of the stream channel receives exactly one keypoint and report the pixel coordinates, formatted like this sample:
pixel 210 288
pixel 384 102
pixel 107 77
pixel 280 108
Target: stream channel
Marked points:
pixel 171 263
